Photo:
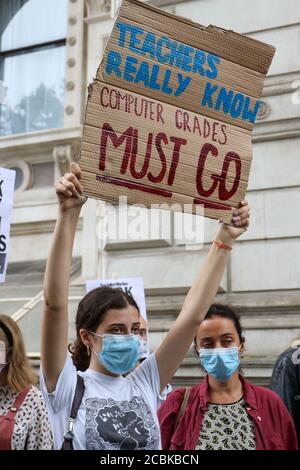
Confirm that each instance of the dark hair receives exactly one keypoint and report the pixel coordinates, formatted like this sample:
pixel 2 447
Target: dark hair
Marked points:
pixel 224 311
pixel 90 313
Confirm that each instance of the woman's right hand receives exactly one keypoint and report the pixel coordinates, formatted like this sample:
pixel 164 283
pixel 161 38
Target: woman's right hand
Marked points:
pixel 69 190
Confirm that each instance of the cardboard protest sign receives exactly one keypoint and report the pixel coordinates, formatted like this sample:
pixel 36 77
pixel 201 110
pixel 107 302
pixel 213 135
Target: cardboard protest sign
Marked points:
pixel 7 184
pixel 170 113
pixel 134 286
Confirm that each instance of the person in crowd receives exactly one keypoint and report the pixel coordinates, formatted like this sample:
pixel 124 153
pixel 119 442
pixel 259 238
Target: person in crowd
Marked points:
pixel 112 411
pixel 145 351
pixel 286 381
pixel 225 411
pixel 144 340
pixel 24 422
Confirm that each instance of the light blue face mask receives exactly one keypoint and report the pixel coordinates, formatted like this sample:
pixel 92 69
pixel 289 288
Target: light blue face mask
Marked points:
pixel 221 363
pixel 120 353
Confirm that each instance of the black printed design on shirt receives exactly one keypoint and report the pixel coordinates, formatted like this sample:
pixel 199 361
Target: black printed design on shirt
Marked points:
pixel 120 425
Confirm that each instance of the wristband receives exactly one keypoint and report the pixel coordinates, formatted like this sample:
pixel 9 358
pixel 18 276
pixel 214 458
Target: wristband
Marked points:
pixel 222 245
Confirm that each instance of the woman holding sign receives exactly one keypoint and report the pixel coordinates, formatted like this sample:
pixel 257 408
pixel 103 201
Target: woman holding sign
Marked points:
pixel 104 409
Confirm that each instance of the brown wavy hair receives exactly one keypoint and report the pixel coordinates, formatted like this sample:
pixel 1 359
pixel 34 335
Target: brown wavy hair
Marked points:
pixel 19 374
pixel 90 313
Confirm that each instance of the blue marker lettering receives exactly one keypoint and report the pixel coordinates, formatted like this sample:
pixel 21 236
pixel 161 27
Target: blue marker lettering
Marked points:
pixel 237 105
pixel 207 98
pixel 153 79
pixel 164 41
pixel 187 58
pixel 250 115
pixel 123 28
pixel 130 68
pixel 114 61
pixel 179 56
pixel 183 83
pixel 213 61
pixel 143 74
pixel 199 61
pixel 165 88
pixel 149 45
pixel 135 41
pixel 225 100
pixel 174 52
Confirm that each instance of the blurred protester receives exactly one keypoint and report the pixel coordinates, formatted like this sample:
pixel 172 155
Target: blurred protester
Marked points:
pixel 24 423
pixel 144 340
pixel 145 352
pixel 286 381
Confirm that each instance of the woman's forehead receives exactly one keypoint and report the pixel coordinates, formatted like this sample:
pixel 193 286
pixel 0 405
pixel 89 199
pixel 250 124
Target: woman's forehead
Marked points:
pixel 127 315
pixel 216 326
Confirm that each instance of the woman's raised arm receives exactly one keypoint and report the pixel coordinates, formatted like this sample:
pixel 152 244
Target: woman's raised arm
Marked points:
pixel 199 298
pixel 56 282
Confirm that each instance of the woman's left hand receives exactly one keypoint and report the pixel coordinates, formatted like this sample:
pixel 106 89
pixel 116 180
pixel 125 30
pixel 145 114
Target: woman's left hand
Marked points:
pixel 240 220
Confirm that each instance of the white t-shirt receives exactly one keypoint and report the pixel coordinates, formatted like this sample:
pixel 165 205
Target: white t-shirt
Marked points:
pixel 165 393
pixel 115 413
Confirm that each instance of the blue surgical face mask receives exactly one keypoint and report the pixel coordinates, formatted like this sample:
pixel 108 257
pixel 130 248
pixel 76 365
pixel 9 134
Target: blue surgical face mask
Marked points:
pixel 119 353
pixel 221 363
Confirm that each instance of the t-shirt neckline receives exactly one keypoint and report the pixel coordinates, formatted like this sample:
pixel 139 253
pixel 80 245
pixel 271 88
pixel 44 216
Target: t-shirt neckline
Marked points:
pixel 100 376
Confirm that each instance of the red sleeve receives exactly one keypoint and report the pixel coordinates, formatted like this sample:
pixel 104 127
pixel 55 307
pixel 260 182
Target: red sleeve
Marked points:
pixel 167 415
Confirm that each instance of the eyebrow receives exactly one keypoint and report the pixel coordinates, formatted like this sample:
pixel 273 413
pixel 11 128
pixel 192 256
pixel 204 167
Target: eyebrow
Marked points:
pixel 208 338
pixel 122 324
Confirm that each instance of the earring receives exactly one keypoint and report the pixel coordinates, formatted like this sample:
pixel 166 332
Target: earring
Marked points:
pixel 88 350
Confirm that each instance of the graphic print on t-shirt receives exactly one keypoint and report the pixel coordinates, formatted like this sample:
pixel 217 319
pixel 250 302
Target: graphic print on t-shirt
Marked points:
pixel 119 425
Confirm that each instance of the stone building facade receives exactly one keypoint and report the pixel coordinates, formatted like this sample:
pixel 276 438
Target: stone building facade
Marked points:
pixel 263 278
